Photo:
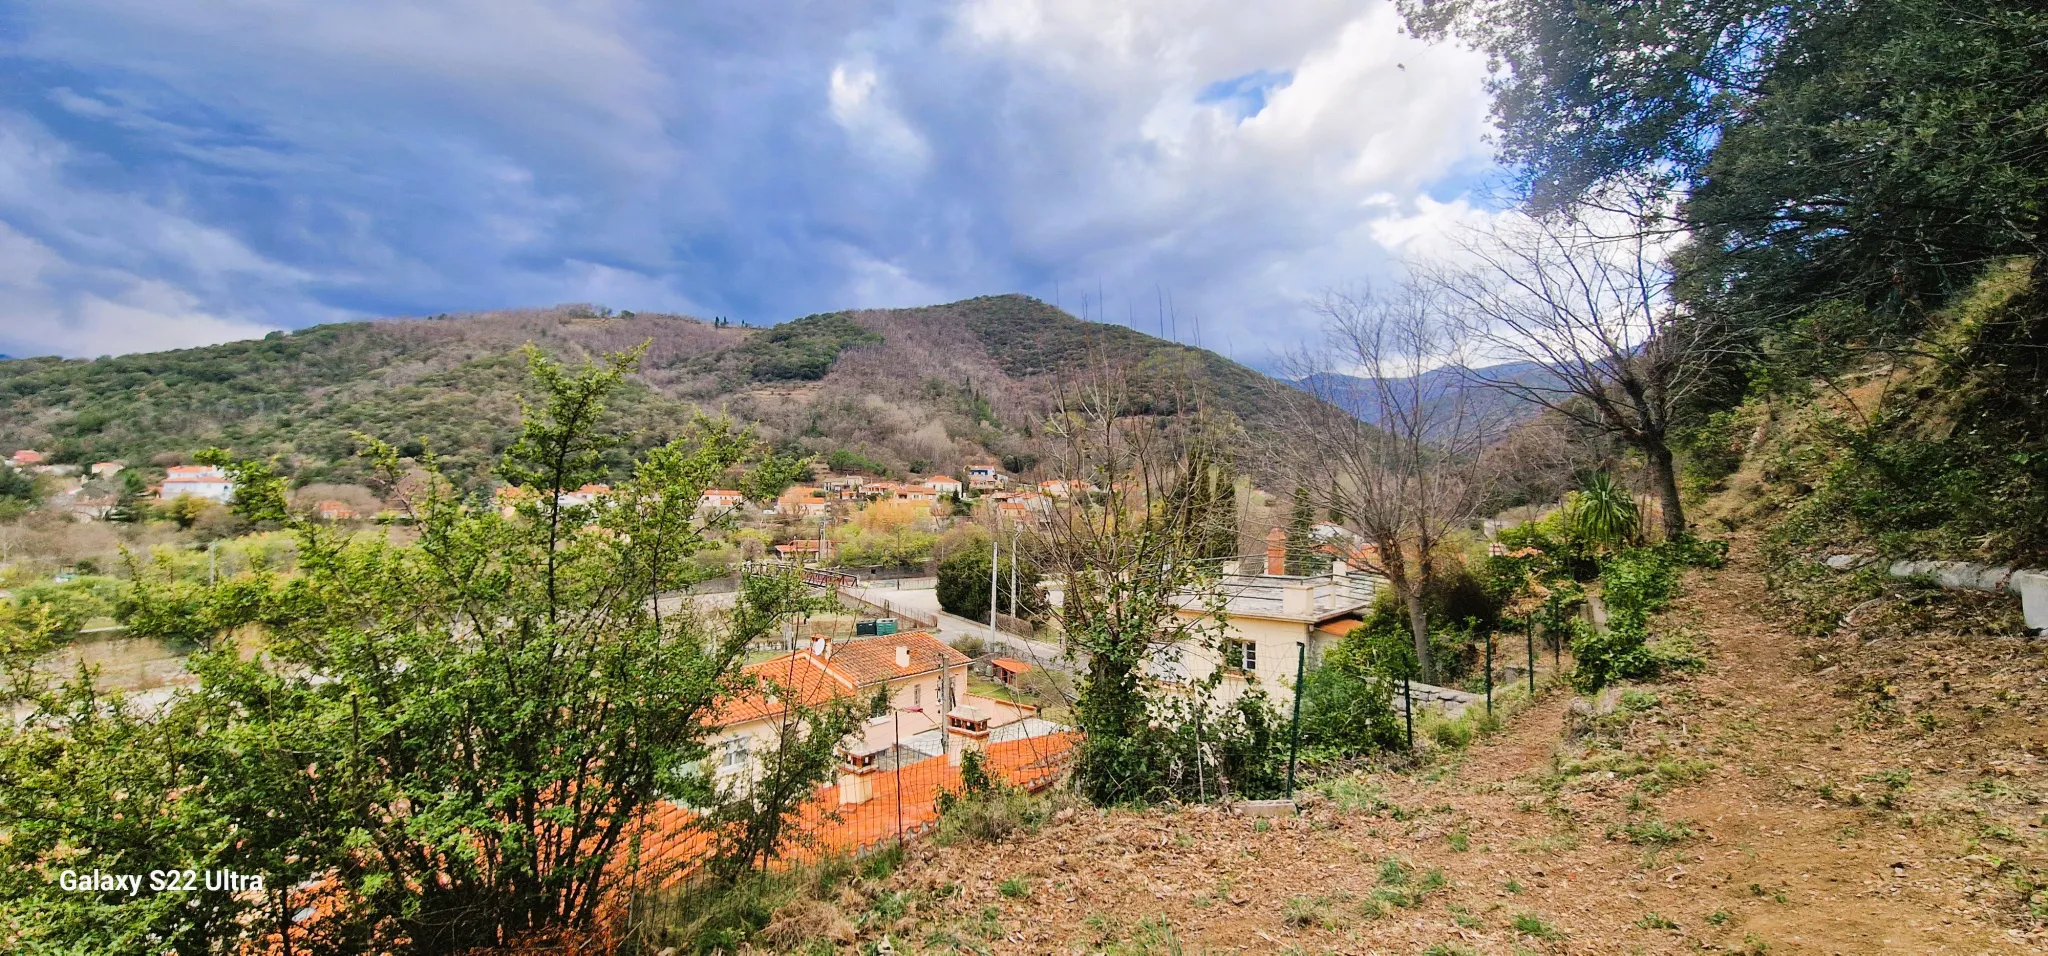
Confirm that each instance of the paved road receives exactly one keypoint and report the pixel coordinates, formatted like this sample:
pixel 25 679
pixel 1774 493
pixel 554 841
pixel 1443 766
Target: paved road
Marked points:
pixel 926 601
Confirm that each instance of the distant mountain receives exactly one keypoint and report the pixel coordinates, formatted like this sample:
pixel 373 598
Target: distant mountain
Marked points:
pixel 1499 406
pixel 889 390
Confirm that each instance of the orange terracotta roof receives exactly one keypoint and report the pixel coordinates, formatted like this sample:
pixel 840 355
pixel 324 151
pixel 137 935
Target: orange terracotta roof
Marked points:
pixel 1010 664
pixel 904 802
pixel 1341 626
pixel 873 660
pixel 795 676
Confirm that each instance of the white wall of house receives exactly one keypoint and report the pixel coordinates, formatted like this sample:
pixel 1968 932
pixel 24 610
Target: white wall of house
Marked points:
pixel 1275 651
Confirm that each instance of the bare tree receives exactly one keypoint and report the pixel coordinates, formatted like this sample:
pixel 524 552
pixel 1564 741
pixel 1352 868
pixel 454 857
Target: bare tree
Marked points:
pixel 1388 439
pixel 1593 306
pixel 1130 558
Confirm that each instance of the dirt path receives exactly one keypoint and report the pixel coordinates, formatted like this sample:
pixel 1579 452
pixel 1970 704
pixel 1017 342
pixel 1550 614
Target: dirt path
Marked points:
pixel 1740 809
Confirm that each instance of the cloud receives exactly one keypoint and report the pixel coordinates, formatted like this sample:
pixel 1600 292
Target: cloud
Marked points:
pixel 289 161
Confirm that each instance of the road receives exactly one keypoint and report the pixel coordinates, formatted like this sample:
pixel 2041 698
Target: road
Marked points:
pixel 925 601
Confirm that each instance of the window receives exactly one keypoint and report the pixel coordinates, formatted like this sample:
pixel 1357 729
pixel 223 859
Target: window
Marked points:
pixel 734 753
pixel 917 695
pixel 1247 655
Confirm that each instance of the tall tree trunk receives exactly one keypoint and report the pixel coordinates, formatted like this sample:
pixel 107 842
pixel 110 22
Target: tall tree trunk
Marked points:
pixel 1665 474
pixel 1418 625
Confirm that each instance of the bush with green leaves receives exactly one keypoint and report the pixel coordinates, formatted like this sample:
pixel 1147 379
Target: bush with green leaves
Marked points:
pixel 452 736
pixel 72 603
pixel 1636 583
pixel 963 584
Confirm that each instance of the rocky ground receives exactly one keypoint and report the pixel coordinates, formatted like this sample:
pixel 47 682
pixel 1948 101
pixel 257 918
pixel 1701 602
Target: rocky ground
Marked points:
pixel 1875 790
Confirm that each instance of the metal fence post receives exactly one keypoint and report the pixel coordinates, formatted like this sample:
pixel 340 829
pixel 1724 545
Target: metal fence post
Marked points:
pixel 1529 634
pixel 1294 744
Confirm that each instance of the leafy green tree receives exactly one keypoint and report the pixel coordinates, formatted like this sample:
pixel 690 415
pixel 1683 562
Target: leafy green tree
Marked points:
pixel 454 738
pixel 963 582
pixel 15 486
pixel 131 504
pixel 1881 152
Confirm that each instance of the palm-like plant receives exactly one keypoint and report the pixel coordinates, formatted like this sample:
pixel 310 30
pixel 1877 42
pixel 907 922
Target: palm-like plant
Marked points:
pixel 1604 513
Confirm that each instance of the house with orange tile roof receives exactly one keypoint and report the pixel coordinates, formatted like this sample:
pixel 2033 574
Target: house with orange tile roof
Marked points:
pixel 749 724
pixel 918 676
pixel 196 481
pixel 584 496
pixel 944 485
pixel 802 501
pixel 332 510
pixel 720 499
pixel 1007 670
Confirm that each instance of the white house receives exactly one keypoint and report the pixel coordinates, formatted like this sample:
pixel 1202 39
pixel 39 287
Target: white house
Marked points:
pixel 196 481
pixel 1272 621
pixel 720 499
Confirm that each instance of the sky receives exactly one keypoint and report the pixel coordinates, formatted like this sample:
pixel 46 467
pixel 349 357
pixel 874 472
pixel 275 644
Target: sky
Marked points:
pixel 180 174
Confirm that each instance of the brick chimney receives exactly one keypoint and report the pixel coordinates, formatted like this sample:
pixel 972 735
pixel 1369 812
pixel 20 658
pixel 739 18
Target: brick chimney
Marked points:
pixel 966 729
pixel 1276 551
pixel 857 776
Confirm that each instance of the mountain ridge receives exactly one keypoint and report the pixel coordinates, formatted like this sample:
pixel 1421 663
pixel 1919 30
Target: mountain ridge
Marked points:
pixel 894 391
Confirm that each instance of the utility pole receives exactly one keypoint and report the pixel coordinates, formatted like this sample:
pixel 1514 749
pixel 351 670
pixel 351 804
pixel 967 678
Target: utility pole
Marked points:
pixel 1489 673
pixel 995 560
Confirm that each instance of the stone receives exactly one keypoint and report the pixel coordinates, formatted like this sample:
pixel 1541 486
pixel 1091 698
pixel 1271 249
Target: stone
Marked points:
pixel 1266 808
pixel 2032 587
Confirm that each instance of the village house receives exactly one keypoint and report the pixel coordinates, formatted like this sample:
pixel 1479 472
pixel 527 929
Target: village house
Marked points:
pixel 917 493
pixel 332 510
pixel 26 458
pixel 196 481
pixel 1270 619
pixel 801 501
pixel 1065 487
pixel 880 490
pixel 985 477
pixel 720 499
pixel 943 485
pixel 918 677
pixel 583 497
pixel 106 469
pixel 86 506
pixel 800 549
pixel 835 485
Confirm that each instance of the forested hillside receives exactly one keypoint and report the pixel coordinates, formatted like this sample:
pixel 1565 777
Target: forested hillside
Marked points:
pixel 899 391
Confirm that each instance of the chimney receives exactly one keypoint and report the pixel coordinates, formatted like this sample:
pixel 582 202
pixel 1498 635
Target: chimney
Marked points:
pixel 1298 600
pixel 1276 551
pixel 857 777
pixel 1339 568
pixel 902 657
pixel 966 729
